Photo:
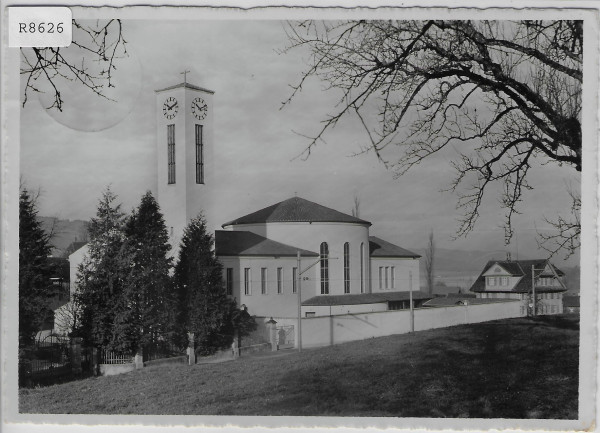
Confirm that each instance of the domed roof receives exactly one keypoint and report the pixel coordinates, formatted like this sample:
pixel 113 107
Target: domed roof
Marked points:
pixel 296 209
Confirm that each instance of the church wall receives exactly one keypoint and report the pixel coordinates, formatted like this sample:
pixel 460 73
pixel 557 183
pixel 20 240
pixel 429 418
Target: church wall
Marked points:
pixel 309 236
pixel 402 268
pixel 272 303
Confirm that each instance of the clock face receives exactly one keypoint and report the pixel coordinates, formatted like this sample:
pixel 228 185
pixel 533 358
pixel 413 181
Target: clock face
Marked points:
pixel 170 108
pixel 199 108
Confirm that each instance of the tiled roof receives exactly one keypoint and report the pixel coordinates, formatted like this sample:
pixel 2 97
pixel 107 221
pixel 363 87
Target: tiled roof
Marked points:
pixel 364 298
pixel 380 248
pixel 243 243
pixel 187 86
pixel 296 209
pixel 519 268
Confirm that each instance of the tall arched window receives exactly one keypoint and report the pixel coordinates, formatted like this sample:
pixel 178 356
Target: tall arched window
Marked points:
pixel 362 268
pixel 324 258
pixel 346 267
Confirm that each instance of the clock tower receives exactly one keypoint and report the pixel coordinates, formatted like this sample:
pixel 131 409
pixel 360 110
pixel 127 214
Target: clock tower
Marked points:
pixel 184 138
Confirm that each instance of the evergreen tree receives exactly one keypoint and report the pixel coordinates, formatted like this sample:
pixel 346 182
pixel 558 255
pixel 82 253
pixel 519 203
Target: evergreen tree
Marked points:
pixel 35 270
pixel 101 276
pixel 147 298
pixel 203 306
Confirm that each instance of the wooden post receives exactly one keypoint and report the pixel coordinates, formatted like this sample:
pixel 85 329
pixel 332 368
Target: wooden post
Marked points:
pixel 299 290
pixel 533 289
pixel 191 350
pixel 412 309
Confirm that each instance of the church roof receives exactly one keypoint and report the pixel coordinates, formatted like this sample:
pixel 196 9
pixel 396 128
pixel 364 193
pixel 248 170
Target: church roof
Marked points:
pixel 187 86
pixel 380 248
pixel 520 268
pixel 243 243
pixel 296 209
pixel 364 298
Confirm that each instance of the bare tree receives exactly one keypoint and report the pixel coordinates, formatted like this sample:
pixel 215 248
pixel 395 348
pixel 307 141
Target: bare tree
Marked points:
pixel 502 94
pixel 566 230
pixel 99 45
pixel 429 263
pixel 67 317
pixel 356 207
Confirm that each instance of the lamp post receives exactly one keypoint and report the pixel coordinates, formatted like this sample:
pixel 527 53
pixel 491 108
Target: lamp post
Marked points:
pixel 299 287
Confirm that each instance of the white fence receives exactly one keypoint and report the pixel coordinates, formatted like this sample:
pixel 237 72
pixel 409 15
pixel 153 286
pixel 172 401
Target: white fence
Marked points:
pixel 328 330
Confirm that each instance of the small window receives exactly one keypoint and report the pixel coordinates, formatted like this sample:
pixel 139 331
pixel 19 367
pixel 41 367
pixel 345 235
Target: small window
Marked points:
pixel 309 314
pixel 263 281
pixel 279 280
pixel 381 277
pixel 294 280
pixel 247 282
pixel 392 277
pixel 229 281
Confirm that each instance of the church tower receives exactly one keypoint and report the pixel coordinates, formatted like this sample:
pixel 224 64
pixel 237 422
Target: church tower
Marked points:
pixel 184 131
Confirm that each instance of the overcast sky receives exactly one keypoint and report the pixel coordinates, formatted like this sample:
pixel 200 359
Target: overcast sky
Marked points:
pixel 95 143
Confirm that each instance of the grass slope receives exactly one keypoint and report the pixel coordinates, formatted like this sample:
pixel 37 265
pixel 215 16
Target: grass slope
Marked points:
pixel 516 368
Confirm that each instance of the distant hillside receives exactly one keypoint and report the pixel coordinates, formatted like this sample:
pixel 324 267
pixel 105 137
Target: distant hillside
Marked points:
pixel 64 232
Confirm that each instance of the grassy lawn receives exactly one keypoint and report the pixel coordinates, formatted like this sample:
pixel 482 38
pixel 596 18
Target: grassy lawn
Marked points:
pixel 515 368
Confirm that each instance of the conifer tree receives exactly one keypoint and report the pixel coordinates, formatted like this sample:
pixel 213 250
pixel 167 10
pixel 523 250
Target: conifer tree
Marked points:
pixel 203 306
pixel 147 298
pixel 101 275
pixel 35 270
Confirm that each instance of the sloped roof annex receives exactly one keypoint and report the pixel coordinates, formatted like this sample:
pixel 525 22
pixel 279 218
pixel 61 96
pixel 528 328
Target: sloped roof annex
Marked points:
pixel 244 243
pixel 380 248
pixel 296 209
pixel 364 298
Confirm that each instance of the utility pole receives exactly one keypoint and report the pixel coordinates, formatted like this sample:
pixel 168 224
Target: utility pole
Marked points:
pixel 533 289
pixel 298 289
pixel 412 310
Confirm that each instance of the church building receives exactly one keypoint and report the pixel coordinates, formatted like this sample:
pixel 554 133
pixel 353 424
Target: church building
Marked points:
pixel 273 258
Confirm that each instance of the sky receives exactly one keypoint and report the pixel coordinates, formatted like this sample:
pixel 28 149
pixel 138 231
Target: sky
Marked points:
pixel 72 156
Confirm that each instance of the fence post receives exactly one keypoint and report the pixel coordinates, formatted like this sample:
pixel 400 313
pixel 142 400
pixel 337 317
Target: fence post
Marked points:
pixel 191 352
pixel 76 355
pixel 138 359
pixel 234 346
pixel 95 361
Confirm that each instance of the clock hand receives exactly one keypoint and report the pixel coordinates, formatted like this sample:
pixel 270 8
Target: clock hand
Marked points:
pixel 170 107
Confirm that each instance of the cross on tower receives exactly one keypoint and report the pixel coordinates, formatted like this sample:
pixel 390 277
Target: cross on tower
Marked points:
pixel 185 76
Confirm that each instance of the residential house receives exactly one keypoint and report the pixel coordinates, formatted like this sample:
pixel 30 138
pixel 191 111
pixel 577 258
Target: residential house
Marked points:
pixel 519 279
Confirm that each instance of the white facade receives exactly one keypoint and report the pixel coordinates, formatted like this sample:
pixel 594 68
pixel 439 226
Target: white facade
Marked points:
pixel 309 236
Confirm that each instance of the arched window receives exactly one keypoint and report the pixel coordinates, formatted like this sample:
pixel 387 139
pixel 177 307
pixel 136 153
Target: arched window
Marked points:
pixel 346 267
pixel 324 258
pixel 362 268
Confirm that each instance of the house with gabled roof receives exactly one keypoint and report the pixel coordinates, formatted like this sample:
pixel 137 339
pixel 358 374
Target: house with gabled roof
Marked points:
pixel 339 262
pixel 520 279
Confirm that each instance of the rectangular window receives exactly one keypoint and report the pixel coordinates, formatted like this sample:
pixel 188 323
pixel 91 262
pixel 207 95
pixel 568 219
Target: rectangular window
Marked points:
pixel 171 153
pixel 199 154
pixel 504 281
pixel 491 281
pixel 247 282
pixel 346 267
pixel 294 280
pixel 229 281
pixel 381 277
pixel 263 281
pixel 280 280
pixel 387 271
pixel 392 277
